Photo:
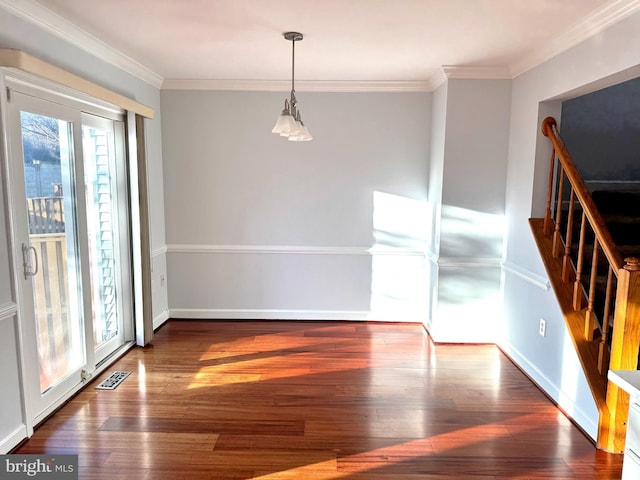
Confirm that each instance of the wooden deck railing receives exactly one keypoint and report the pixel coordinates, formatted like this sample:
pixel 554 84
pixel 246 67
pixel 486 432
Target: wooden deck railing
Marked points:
pixel 51 302
pixel 605 291
pixel 46 215
pixel 47 237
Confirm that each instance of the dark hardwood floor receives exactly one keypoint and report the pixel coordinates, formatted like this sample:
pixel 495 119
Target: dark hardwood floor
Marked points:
pixel 317 400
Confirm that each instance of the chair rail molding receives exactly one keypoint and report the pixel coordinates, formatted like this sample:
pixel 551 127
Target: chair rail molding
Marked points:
pixel 8 310
pixel 527 275
pixel 296 250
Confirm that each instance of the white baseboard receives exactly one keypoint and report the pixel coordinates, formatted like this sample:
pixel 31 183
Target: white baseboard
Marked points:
pixel 159 320
pixel 331 315
pixel 13 439
pixel 588 424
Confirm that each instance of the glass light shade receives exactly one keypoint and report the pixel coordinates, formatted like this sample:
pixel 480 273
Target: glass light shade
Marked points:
pixel 303 136
pixel 284 120
pixel 285 124
pixel 293 128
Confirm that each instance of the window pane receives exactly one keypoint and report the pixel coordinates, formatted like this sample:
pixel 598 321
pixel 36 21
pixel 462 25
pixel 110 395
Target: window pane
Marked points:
pixel 101 221
pixel 53 251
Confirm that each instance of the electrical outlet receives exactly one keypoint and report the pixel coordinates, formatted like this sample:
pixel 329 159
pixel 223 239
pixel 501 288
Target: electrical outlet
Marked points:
pixel 543 327
pixel 162 280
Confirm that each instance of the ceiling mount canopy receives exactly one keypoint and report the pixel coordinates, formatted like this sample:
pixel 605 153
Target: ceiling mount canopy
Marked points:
pixel 293 36
pixel 289 123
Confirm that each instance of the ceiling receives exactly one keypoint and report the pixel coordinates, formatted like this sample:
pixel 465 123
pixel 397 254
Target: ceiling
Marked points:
pixel 344 40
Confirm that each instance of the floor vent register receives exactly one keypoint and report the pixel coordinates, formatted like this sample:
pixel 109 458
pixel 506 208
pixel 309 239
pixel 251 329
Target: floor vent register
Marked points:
pixel 111 382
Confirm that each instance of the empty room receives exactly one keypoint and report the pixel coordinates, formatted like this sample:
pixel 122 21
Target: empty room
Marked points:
pixel 357 239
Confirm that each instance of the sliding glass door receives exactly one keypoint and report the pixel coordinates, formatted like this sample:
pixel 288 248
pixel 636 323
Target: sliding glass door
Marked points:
pixel 69 198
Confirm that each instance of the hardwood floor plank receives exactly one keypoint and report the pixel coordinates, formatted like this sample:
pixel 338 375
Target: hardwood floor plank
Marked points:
pixel 185 425
pixel 317 400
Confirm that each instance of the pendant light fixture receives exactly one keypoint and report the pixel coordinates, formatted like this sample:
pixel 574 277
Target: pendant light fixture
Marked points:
pixel 289 122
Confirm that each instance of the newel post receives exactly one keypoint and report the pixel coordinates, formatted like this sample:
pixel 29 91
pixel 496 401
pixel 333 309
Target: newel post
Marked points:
pixel 624 349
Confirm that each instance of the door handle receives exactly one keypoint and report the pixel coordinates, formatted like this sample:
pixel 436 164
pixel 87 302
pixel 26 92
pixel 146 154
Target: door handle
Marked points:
pixel 29 252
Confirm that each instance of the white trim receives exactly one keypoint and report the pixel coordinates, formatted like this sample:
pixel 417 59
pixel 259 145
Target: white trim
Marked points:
pixel 297 250
pixel 437 78
pixel 267 314
pixel 526 275
pixel 472 73
pixel 432 257
pixel 335 86
pixel 53 23
pixel 13 439
pixel 343 86
pixel 41 87
pixel 581 418
pixel 477 73
pixel 441 75
pixel 8 310
pixel 468 262
pixel 603 17
pixel 159 320
pixel 159 251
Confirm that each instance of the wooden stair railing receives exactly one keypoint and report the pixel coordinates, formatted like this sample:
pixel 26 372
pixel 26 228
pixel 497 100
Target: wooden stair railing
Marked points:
pixel 605 327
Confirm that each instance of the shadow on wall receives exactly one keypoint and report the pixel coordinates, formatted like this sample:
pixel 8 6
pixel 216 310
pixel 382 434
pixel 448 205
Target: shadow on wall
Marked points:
pixel 470 235
pixel 466 298
pixel 465 280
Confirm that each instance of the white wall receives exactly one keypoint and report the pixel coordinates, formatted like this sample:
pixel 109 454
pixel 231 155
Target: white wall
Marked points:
pixel 259 227
pixel 607 58
pixel 467 181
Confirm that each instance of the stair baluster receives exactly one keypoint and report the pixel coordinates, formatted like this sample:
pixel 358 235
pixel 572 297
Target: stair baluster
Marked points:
pixel 548 219
pixel 590 323
pixel 557 236
pixel 567 268
pixel 578 295
pixel 603 348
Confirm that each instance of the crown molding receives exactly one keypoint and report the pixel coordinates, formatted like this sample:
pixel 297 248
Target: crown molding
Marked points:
pixel 607 15
pixel 47 20
pixel 477 73
pixel 301 85
pixel 437 78
pixel 468 72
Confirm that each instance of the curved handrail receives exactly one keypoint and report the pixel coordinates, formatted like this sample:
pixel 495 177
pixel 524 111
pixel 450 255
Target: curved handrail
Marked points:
pixel 550 130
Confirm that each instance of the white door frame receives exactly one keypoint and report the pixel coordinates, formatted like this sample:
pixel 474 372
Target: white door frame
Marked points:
pixel 21 85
